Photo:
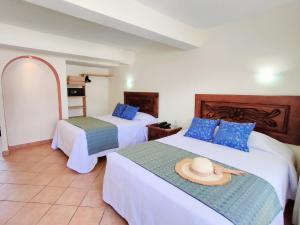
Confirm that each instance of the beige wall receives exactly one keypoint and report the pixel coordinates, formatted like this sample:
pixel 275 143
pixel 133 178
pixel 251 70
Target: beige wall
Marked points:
pixel 236 59
pixel 239 58
pixel 30 101
pixel 59 63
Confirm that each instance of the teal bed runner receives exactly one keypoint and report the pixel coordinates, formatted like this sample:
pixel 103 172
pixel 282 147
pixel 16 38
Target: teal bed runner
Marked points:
pixel 100 135
pixel 245 200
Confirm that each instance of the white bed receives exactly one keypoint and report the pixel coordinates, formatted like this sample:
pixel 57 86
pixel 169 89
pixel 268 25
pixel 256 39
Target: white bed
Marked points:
pixel 142 198
pixel 72 140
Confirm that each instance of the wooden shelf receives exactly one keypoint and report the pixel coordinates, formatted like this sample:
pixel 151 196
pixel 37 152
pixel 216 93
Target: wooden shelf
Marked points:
pixel 72 84
pixel 96 75
pixel 77 81
pixel 76 107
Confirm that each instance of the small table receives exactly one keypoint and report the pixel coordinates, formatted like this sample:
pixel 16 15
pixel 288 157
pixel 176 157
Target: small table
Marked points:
pixel 155 132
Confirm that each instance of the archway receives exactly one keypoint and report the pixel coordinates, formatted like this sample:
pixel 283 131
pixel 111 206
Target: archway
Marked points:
pixel 38 63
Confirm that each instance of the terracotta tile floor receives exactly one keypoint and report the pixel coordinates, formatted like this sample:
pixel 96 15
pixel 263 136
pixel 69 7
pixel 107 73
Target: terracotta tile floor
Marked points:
pixel 36 187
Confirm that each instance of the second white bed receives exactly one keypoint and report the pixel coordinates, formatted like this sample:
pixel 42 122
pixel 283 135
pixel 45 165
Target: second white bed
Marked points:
pixel 72 140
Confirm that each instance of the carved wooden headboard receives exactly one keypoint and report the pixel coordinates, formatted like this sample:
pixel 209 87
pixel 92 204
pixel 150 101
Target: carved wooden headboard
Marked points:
pixel 276 116
pixel 147 101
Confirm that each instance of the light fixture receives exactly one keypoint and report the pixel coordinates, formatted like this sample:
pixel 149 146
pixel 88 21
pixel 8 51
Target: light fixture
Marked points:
pixel 129 82
pixel 267 75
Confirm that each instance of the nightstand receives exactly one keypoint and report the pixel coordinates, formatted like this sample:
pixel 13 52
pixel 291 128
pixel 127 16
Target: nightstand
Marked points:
pixel 155 132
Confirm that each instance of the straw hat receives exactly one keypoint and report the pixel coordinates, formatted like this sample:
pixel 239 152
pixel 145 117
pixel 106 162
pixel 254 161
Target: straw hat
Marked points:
pixel 202 171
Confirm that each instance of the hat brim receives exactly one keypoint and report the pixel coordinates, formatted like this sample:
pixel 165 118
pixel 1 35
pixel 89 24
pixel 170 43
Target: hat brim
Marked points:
pixel 183 169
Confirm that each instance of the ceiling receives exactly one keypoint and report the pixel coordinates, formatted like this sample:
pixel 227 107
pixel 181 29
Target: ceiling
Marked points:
pixel 202 14
pixel 23 14
pixel 211 13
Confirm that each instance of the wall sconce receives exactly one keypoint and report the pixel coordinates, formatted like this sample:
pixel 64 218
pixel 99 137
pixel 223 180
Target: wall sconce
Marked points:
pixel 267 76
pixel 129 82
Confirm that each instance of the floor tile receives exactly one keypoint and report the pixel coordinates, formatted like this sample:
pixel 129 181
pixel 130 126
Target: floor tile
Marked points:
pixel 15 166
pixel 20 177
pixel 58 215
pixel 93 199
pixel 83 181
pixel 63 180
pixel 30 214
pixel 98 168
pixel 14 192
pixel 40 167
pixel 41 179
pixel 55 168
pixel 25 158
pixel 42 150
pixel 48 195
pixel 96 185
pixel 86 215
pixel 8 210
pixel 56 157
pixel 4 176
pixel 72 196
pixel 110 217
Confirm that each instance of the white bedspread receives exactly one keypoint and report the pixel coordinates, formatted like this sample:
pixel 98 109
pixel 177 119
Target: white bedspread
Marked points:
pixel 142 198
pixel 72 141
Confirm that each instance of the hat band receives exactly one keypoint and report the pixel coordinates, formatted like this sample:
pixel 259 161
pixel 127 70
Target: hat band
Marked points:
pixel 199 173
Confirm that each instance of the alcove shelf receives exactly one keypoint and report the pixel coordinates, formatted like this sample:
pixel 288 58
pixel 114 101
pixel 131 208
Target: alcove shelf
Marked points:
pixel 96 74
pixel 76 106
pixel 77 82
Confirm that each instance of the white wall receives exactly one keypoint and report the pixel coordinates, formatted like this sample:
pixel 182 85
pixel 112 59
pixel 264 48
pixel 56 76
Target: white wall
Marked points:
pixel 30 101
pixel 59 63
pixel 236 59
pixel 96 91
pixel 232 61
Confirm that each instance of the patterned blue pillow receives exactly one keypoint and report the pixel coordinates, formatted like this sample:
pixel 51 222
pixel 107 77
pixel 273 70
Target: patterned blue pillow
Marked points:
pixel 202 129
pixel 130 112
pixel 119 109
pixel 234 135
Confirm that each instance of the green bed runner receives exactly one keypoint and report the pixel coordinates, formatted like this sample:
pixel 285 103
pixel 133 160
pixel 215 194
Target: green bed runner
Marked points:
pixel 245 200
pixel 100 135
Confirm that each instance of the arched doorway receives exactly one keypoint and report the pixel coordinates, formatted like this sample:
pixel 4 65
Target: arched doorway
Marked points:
pixel 31 98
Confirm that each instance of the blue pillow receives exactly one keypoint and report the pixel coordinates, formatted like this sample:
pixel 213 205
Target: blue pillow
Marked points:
pixel 234 135
pixel 202 129
pixel 130 112
pixel 119 109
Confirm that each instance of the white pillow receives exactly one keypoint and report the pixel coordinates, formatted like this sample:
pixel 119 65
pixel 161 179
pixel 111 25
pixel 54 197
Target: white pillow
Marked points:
pixel 146 118
pixel 265 143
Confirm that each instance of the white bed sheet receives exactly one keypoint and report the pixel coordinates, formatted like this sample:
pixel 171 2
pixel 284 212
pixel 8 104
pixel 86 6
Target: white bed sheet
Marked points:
pixel 142 198
pixel 72 140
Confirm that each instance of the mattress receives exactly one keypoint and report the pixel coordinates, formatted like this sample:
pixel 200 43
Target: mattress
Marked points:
pixel 72 140
pixel 143 198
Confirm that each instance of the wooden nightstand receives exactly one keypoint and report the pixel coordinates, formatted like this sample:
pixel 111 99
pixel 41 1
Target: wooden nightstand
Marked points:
pixel 155 132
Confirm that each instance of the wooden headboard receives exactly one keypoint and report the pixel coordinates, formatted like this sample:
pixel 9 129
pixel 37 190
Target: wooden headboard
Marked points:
pixel 147 101
pixel 276 116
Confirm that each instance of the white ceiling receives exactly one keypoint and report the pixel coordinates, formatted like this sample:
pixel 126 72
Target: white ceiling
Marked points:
pixel 211 13
pixel 198 13
pixel 23 14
